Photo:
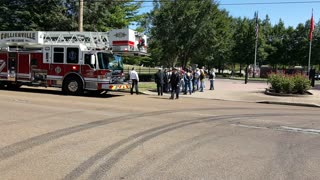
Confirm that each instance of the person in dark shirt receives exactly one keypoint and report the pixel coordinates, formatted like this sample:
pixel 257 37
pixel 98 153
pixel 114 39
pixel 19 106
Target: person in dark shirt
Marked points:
pixel 175 83
pixel 166 81
pixel 159 80
pixel 187 81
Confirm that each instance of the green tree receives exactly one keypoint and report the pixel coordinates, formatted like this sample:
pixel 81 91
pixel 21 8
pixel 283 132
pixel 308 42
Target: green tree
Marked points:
pixel 266 40
pixel 315 56
pixel 188 31
pixel 245 41
pixel 277 50
pixel 62 15
pixel 34 15
pixel 300 49
pixel 216 45
pixel 104 15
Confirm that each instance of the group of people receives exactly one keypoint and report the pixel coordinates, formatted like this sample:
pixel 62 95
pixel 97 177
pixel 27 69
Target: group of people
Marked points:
pixel 176 80
pixel 187 81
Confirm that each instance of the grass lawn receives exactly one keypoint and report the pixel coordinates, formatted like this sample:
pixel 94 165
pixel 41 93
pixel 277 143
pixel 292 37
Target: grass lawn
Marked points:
pixel 250 79
pixel 145 86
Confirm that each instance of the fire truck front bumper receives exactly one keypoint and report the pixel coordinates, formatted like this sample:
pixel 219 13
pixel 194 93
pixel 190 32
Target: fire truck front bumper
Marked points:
pixel 113 87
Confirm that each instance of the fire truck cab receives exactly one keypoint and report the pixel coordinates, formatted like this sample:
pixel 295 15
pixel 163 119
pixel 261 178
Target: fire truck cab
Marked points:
pixel 73 61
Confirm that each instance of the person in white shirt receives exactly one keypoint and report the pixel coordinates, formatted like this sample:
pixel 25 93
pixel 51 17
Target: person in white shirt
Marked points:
pixel 212 77
pixel 134 77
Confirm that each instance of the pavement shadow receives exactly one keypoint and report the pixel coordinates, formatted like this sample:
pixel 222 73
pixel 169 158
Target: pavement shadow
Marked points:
pixel 60 93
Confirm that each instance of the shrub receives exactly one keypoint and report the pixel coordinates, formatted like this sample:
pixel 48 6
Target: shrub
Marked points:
pixel 289 84
pixel 301 84
pixel 276 82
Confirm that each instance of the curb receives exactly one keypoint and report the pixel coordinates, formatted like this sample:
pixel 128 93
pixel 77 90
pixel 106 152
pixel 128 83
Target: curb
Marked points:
pixel 261 102
pixel 267 92
pixel 289 103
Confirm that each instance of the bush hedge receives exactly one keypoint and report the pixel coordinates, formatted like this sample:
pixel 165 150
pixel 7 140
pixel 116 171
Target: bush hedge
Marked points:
pixel 289 84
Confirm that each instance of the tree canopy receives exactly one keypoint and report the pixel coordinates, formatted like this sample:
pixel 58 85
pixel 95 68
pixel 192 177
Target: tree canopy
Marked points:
pixel 62 15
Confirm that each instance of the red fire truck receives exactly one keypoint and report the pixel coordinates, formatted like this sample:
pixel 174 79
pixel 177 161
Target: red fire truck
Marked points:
pixel 73 61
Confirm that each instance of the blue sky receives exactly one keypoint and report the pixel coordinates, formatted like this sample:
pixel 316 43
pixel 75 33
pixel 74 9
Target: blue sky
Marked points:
pixel 291 14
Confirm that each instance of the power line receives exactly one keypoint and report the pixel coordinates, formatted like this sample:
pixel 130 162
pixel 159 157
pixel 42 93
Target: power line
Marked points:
pixel 269 3
pixel 221 4
pixel 231 4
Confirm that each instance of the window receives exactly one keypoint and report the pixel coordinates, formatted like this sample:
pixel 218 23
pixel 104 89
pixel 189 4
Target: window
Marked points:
pixel 72 55
pixel 103 59
pixel 58 55
pixel 87 60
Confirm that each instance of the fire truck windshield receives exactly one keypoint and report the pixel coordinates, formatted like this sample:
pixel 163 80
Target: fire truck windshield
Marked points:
pixel 109 61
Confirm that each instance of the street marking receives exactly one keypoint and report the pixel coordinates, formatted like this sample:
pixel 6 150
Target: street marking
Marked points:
pixel 311 131
pixel 282 128
pixel 20 100
pixel 249 126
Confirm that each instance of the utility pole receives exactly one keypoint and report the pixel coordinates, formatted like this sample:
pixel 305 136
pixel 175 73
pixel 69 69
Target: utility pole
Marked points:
pixel 80 15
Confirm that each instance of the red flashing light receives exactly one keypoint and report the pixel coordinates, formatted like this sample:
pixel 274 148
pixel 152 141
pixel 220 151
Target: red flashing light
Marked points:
pixel 74 67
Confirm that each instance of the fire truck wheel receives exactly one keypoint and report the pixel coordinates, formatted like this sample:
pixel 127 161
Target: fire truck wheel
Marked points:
pixel 72 86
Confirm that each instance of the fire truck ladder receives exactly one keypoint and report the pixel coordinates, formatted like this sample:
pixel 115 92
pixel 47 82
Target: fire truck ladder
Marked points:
pixel 92 40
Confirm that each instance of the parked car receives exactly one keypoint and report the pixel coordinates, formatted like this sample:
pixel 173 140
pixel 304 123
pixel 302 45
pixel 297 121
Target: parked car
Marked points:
pixel 317 76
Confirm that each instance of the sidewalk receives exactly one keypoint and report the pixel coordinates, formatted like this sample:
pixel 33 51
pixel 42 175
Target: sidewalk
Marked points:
pixel 236 90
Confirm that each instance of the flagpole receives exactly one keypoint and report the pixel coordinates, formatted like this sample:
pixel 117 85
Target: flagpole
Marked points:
pixel 310 45
pixel 309 61
pixel 256 46
pixel 255 58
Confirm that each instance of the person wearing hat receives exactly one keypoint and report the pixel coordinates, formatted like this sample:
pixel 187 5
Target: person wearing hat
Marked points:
pixel 159 80
pixel 175 83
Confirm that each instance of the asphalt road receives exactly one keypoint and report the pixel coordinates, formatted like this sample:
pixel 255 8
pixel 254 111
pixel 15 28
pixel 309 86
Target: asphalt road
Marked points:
pixel 46 135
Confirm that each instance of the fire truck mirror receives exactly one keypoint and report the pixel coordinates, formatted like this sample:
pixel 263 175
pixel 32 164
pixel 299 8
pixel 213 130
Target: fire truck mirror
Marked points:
pixel 93 59
pixel 34 62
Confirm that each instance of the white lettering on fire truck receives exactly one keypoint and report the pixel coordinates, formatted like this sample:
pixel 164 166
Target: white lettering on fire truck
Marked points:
pixel 27 35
